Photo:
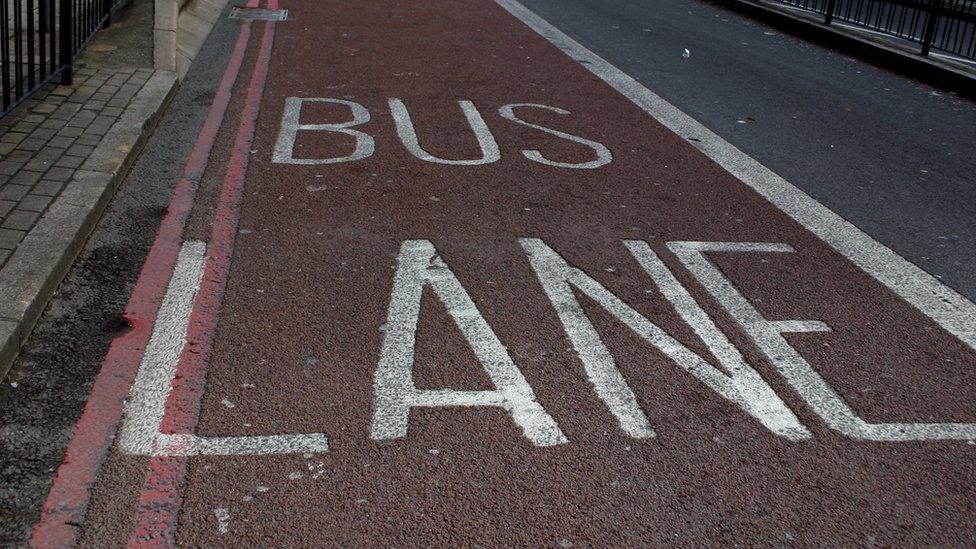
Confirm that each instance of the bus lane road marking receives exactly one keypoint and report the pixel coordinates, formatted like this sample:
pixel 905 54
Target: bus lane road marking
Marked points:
pixel 419 265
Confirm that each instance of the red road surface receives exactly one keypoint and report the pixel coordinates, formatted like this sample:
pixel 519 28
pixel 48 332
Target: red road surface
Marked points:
pixel 626 409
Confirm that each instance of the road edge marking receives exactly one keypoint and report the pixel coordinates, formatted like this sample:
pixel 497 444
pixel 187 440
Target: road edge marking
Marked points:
pixel 67 501
pixel 156 517
pixel 147 397
pixel 948 308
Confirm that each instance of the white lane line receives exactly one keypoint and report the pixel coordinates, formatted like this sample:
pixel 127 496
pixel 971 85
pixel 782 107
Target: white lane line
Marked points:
pixel 258 445
pixel 223 520
pixel 942 304
pixel 147 399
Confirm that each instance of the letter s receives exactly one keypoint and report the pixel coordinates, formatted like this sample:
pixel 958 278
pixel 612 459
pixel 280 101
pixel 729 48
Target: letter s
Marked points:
pixel 603 155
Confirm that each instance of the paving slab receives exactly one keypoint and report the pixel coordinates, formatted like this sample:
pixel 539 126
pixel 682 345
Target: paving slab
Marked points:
pixel 45 219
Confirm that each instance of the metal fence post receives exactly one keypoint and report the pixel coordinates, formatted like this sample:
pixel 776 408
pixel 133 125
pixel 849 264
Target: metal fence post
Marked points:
pixel 107 12
pixel 5 58
pixel 829 15
pixel 931 24
pixel 65 25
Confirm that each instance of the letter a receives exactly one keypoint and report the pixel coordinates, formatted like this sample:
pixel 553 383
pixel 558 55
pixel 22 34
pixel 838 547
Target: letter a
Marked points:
pixel 394 390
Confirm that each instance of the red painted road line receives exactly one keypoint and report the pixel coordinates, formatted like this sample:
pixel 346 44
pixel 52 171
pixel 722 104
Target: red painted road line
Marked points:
pixel 158 510
pixel 70 493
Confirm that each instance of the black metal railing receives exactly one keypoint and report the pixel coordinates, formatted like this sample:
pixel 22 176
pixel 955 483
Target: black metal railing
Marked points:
pixel 40 40
pixel 945 25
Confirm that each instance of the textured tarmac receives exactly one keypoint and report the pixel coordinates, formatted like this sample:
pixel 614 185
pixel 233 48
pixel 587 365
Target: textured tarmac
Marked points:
pixel 301 318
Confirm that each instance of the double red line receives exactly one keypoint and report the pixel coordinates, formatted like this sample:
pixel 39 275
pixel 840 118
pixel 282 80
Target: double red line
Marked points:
pixel 160 500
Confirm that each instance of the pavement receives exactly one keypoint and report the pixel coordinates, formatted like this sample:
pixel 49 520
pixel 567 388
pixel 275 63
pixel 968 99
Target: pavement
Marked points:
pixel 456 279
pixel 63 153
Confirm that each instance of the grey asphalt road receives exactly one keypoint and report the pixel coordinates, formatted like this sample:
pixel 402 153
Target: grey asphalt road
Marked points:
pixel 891 155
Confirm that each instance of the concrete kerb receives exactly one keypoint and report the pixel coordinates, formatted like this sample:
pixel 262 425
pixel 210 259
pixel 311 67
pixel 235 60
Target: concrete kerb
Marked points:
pixel 37 267
pixel 179 30
pixel 937 72
pixel 9 344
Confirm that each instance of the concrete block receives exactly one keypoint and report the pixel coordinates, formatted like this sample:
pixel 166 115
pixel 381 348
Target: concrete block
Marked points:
pixel 166 15
pixel 10 341
pixel 164 49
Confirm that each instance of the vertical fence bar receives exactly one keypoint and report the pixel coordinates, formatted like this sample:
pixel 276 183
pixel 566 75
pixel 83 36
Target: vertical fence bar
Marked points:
pixel 74 19
pixel 18 49
pixel 42 38
pixel 64 32
pixel 5 54
pixel 31 62
pixel 935 10
pixel 829 14
pixel 52 35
